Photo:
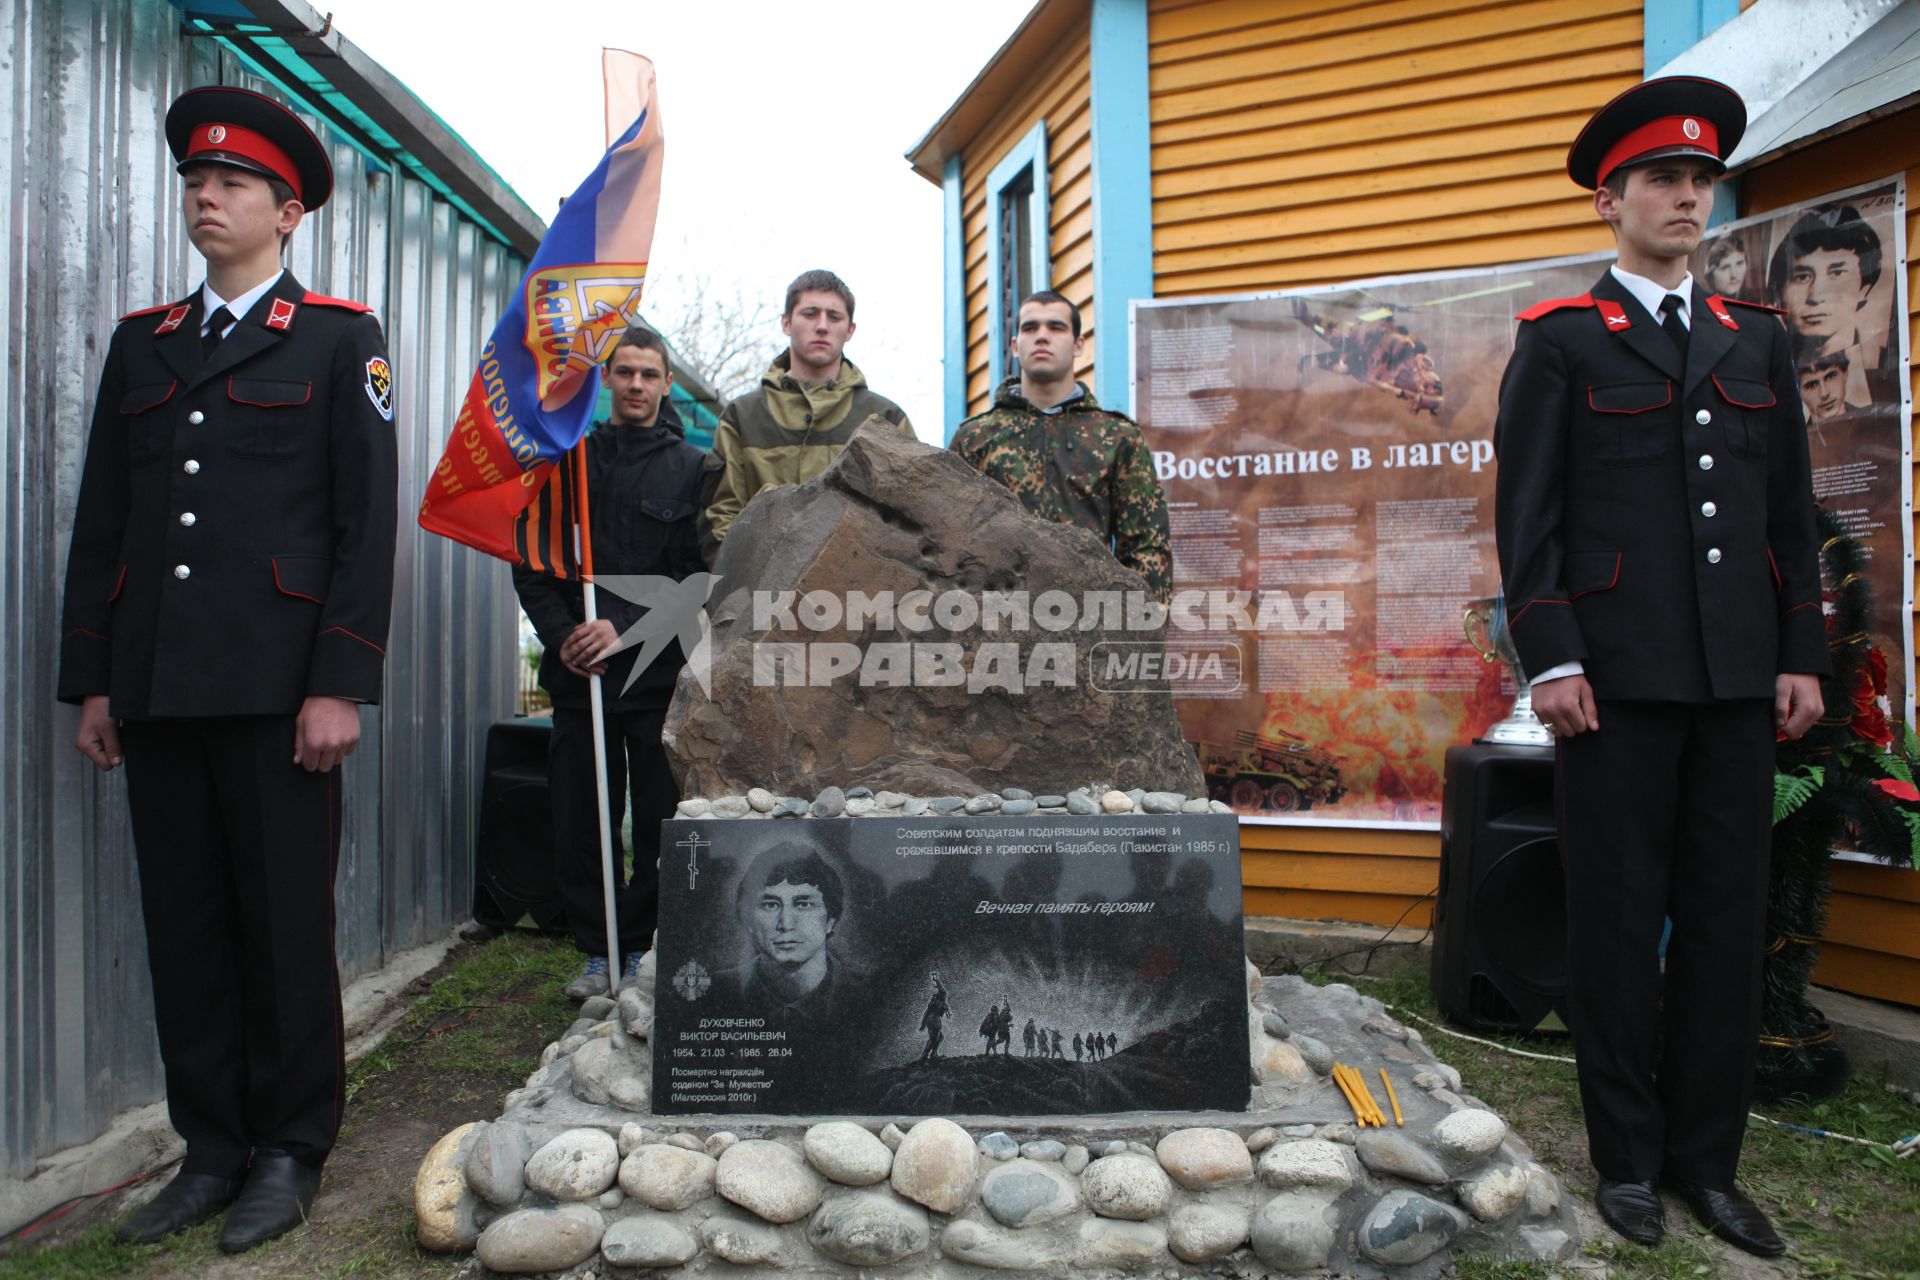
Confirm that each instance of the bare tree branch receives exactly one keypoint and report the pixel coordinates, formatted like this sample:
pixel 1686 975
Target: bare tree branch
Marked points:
pixel 720 334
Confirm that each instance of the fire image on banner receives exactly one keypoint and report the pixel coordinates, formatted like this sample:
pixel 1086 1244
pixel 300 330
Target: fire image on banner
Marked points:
pixel 1334 446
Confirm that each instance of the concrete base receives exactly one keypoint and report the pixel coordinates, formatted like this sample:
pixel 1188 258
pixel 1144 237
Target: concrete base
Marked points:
pixel 141 1139
pixel 1399 953
pixel 1874 1034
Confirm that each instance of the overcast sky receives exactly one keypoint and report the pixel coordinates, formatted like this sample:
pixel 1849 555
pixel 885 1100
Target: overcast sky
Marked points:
pixel 786 130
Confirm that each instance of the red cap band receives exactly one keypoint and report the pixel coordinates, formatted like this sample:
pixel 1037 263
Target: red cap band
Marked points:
pixel 1693 133
pixel 213 141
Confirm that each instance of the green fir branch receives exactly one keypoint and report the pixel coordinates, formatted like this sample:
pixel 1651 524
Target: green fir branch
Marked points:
pixel 1912 820
pixel 1792 790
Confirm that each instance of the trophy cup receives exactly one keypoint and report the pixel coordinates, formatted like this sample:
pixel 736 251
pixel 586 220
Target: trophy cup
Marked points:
pixel 1494 643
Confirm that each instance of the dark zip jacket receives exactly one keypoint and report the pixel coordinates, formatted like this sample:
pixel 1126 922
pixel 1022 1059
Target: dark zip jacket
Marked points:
pixel 643 491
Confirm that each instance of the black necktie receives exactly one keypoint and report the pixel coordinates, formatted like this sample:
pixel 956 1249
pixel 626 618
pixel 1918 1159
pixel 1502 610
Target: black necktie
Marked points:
pixel 216 329
pixel 1670 321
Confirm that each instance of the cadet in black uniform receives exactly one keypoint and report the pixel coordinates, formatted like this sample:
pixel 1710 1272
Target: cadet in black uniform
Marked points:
pixel 1656 532
pixel 643 492
pixel 227 597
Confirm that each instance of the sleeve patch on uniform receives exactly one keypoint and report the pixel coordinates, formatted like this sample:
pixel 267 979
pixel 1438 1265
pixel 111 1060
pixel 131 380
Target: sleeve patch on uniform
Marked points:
pixel 380 386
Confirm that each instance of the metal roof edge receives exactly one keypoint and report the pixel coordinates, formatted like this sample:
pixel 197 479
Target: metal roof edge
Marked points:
pixel 1877 74
pixel 1036 35
pixel 398 110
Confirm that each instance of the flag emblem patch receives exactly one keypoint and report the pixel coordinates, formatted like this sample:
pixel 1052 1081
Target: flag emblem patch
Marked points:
pixel 380 386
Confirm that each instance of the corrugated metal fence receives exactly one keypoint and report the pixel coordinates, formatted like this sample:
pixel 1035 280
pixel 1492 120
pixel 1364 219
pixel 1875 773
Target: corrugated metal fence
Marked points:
pixel 91 230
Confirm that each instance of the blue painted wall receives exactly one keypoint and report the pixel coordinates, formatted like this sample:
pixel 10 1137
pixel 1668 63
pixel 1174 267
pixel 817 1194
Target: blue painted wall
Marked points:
pixel 1122 190
pixel 1674 26
pixel 953 401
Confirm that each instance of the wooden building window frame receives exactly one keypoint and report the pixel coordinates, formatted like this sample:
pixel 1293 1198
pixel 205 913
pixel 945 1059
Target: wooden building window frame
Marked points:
pixel 1019 210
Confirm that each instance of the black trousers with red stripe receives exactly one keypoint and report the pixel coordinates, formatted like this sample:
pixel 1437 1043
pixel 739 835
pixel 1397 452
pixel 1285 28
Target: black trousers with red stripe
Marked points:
pixel 237 848
pixel 636 761
pixel 1665 813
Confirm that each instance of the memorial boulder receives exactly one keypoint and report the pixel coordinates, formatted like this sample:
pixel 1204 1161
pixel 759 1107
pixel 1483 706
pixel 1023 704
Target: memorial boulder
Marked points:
pixel 950 698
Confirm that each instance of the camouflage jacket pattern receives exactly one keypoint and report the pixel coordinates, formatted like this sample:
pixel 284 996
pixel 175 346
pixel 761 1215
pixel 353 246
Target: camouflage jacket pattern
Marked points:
pixel 1078 464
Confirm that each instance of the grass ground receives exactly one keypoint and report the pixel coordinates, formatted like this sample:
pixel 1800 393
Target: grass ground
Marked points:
pixel 1845 1210
pixel 478 1024
pixel 474 1033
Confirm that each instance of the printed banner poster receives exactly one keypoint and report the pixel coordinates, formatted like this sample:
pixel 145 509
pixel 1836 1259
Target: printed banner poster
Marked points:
pixel 1327 454
pixel 950 966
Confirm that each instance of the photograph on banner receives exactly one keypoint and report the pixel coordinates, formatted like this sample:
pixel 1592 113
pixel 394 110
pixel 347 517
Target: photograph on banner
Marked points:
pixel 1329 452
pixel 1833 267
pixel 1327 455
pixel 950 966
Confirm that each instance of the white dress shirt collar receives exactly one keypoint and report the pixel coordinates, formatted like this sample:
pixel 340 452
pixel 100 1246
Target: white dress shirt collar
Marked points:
pixel 237 307
pixel 1648 293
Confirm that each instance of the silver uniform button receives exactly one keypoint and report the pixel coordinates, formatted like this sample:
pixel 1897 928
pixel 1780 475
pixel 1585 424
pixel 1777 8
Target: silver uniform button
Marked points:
pixel 1703 417
pixel 1706 462
pixel 187 518
pixel 1713 555
pixel 1709 510
pixel 196 418
pixel 181 571
pixel 191 467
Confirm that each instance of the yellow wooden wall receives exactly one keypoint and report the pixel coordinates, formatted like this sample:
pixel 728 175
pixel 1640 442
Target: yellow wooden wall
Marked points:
pixel 1059 94
pixel 1310 141
pixel 1872 942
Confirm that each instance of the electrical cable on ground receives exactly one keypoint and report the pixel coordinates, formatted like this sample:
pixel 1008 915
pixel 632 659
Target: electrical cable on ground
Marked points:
pixel 65 1207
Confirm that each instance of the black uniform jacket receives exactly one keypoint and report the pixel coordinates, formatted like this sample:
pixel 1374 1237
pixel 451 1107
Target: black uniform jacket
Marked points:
pixel 643 492
pixel 233 545
pixel 1655 517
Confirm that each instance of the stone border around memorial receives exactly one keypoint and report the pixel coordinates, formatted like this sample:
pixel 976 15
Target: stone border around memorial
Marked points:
pixel 576 1171
pixel 1009 802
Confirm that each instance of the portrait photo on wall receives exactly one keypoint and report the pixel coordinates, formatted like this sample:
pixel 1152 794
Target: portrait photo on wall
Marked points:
pixel 1833 268
pixel 949 966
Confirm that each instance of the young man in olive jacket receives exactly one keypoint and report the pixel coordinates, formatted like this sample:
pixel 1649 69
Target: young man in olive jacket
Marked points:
pixel 643 482
pixel 809 402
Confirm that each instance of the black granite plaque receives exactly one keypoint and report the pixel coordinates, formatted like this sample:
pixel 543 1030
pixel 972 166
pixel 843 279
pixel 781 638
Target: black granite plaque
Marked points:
pixel 950 966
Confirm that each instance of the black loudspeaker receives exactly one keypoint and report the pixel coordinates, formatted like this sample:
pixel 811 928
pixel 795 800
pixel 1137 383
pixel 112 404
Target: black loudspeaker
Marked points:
pixel 1500 917
pixel 513 884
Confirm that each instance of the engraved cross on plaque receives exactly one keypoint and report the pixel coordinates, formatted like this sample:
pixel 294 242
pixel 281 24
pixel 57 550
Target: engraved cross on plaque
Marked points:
pixel 693 844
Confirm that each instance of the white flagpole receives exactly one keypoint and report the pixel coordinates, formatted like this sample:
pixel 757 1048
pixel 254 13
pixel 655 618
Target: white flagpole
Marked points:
pixel 583 557
pixel 606 816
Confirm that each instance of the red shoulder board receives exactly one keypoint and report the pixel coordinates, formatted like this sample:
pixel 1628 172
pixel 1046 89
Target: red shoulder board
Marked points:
pixel 1551 305
pixel 176 317
pixel 346 304
pixel 1757 306
pixel 1718 305
pixel 281 317
pixel 146 311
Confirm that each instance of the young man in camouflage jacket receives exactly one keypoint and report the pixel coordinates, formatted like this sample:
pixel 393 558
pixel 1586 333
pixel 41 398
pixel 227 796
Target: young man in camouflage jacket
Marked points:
pixel 1067 459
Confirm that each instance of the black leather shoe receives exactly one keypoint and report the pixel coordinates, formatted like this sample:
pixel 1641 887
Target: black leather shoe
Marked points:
pixel 189 1200
pixel 278 1192
pixel 1729 1214
pixel 1633 1209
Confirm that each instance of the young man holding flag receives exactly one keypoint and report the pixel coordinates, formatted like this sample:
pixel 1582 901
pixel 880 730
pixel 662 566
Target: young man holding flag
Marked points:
pixel 643 483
